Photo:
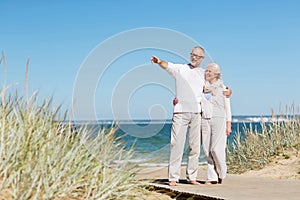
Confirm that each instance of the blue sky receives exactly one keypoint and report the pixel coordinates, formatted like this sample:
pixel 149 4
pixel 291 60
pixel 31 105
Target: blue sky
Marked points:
pixel 255 42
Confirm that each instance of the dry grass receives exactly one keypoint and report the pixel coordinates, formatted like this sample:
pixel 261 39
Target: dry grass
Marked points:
pixel 42 157
pixel 256 149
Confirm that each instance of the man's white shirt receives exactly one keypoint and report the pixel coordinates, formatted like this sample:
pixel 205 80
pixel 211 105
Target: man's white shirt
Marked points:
pixel 189 87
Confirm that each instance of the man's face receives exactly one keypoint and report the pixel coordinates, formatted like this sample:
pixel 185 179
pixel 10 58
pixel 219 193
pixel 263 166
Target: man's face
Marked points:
pixel 197 56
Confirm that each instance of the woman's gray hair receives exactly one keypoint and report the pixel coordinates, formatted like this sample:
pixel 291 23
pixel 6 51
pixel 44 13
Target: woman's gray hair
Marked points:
pixel 216 68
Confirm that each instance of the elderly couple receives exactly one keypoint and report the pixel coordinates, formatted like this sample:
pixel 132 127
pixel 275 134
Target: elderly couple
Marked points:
pixel 202 110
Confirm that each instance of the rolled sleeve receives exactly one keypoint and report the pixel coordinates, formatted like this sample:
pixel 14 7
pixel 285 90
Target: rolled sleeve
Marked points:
pixel 173 69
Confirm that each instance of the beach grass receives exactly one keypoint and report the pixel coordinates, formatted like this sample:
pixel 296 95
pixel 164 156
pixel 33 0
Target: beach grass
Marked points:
pixel 44 157
pixel 254 149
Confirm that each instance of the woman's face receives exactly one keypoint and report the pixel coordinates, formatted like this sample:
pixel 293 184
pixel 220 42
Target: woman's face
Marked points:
pixel 210 75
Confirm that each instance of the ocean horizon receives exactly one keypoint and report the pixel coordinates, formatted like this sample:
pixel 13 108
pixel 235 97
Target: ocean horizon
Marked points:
pixel 150 138
pixel 235 118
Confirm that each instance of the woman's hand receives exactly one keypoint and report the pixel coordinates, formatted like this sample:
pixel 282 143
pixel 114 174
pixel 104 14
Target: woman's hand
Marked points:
pixel 228 128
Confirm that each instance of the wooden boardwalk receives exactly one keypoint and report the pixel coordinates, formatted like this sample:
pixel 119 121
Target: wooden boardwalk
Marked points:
pixel 234 187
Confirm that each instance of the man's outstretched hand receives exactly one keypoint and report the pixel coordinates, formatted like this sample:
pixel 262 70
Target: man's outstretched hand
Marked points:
pixel 155 60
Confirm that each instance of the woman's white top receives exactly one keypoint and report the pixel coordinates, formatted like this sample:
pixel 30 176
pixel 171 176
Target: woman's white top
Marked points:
pixel 214 103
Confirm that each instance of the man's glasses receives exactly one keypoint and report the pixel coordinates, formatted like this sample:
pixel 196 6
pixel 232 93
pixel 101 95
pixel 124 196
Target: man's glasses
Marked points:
pixel 196 56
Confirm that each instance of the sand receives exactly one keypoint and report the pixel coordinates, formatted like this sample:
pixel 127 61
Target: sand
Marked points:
pixel 280 168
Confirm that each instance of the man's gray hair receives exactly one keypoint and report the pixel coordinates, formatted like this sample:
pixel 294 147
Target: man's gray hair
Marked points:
pixel 199 47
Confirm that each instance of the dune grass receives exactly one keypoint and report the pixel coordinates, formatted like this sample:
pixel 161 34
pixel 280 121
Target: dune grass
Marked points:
pixel 254 149
pixel 43 157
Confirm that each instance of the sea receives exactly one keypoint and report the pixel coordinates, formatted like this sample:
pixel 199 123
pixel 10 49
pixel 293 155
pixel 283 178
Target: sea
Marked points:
pixel 150 139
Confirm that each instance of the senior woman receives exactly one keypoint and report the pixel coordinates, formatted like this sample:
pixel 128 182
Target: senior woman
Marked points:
pixel 216 124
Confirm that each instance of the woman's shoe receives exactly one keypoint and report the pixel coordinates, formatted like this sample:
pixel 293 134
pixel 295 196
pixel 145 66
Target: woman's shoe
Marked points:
pixel 219 180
